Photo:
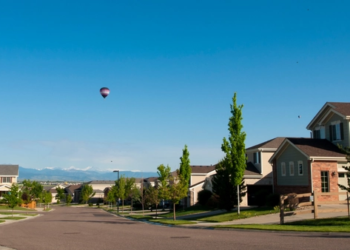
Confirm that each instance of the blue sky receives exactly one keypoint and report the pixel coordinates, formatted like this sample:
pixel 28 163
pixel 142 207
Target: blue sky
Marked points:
pixel 172 68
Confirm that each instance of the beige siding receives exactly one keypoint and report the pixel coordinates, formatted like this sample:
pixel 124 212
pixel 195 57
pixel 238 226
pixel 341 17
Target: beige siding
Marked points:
pixel 266 166
pixel 196 179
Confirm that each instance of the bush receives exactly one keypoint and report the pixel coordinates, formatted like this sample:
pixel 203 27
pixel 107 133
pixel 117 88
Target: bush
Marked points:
pixel 213 201
pixel 90 204
pixel 293 201
pixel 272 200
pixel 204 196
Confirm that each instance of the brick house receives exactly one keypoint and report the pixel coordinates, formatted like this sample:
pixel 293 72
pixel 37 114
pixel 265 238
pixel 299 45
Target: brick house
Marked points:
pixel 304 165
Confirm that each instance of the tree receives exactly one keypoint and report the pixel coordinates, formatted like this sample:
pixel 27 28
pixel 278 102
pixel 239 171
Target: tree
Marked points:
pixel 177 190
pixel 153 197
pixel 346 150
pixel 234 147
pixel 32 190
pixel 185 168
pixel 47 198
pixel 60 194
pixel 86 193
pixel 223 187
pixel 13 197
pixel 134 195
pixel 163 178
pixel 69 199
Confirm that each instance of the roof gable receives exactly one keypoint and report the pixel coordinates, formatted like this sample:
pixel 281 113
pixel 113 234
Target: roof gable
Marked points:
pixel 340 108
pixel 270 144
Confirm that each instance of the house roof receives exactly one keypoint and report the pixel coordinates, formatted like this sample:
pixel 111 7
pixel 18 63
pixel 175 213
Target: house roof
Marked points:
pixel 312 148
pixel 101 182
pixel 341 108
pixel 151 179
pixel 202 169
pixel 9 170
pixel 71 188
pixel 273 143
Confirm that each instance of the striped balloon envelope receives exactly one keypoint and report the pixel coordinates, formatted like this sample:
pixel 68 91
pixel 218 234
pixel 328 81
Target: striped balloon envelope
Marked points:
pixel 104 92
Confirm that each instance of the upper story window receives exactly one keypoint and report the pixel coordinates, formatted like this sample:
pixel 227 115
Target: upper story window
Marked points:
pixel 257 157
pixel 300 168
pixel 283 169
pixel 291 168
pixel 320 132
pixel 6 179
pixel 336 132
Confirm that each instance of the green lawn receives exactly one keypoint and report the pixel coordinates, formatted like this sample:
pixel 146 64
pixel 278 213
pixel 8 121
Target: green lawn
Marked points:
pixel 2 207
pixel 229 216
pixel 13 218
pixel 140 217
pixel 173 222
pixel 319 225
pixel 9 213
pixel 188 211
pixel 1 221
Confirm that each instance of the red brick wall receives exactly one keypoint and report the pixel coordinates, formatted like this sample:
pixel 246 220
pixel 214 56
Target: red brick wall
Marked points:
pixel 317 167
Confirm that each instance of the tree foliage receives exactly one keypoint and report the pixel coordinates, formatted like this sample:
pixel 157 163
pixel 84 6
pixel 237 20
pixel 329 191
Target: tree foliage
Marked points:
pixel 32 190
pixel 225 189
pixel 123 188
pixel 163 178
pixel 69 199
pixel 60 194
pixel 153 198
pixel 12 199
pixel 86 193
pixel 234 147
pixel 177 190
pixel 346 150
pixel 185 168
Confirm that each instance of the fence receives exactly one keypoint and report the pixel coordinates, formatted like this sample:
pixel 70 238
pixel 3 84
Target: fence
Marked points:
pixel 315 201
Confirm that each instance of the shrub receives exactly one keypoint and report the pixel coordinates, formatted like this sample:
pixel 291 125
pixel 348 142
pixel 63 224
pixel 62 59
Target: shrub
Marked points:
pixel 204 196
pixel 293 201
pixel 213 201
pixel 90 204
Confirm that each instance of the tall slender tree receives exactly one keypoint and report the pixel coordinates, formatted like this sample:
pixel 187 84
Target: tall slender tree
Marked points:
pixel 163 178
pixel 185 170
pixel 234 147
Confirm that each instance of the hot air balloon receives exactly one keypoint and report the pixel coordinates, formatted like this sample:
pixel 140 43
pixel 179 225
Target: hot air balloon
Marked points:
pixel 104 92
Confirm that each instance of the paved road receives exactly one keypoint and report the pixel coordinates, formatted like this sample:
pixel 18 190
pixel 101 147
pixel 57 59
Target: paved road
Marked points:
pixel 88 228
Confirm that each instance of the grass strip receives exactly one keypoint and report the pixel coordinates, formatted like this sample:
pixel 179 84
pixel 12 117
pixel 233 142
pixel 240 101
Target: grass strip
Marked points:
pixel 229 216
pixel 13 218
pixel 2 207
pixel 22 214
pixel 1 221
pixel 320 225
pixel 173 222
pixel 140 217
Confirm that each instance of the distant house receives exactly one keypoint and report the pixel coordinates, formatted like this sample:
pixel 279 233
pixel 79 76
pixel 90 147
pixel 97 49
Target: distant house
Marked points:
pixel 70 190
pixel 8 176
pixel 97 186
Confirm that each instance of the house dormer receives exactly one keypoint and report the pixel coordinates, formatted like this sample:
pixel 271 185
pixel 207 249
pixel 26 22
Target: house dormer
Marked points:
pixel 332 123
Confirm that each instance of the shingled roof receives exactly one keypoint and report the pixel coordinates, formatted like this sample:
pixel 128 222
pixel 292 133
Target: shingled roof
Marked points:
pixel 9 170
pixel 312 148
pixel 273 143
pixel 341 107
pixel 202 169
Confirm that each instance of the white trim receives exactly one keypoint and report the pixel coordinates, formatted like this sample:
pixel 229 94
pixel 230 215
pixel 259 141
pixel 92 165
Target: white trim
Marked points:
pixel 327 104
pixel 283 167
pixel 302 165
pixel 291 166
pixel 324 120
pixel 282 145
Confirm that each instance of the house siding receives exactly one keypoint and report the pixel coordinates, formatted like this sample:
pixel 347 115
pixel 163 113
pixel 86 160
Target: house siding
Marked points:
pixel 335 117
pixel 292 154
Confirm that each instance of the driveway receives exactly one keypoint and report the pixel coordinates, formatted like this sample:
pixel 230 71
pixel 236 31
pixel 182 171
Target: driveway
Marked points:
pixel 91 228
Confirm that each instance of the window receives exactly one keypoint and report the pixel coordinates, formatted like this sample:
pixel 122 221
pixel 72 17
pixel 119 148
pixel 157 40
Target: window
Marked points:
pixel 324 181
pixel 6 179
pixel 283 169
pixel 257 157
pixel 336 131
pixel 341 175
pixel 291 168
pixel 300 168
pixel 320 133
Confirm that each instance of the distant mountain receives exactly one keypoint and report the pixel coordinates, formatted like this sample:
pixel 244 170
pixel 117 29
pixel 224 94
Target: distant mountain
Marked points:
pixel 76 175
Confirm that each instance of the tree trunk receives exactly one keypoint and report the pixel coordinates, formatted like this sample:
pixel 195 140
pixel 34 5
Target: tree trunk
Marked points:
pixel 122 205
pixel 174 215
pixel 156 210
pixel 238 208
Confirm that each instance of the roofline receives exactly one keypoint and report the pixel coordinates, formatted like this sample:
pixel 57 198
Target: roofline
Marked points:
pixel 320 158
pixel 252 176
pixel 201 174
pixel 317 115
pixel 195 185
pixel 261 149
pixel 282 145
pixel 332 111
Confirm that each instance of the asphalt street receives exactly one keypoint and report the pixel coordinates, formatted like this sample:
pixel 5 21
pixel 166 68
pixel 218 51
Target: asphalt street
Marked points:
pixel 91 228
